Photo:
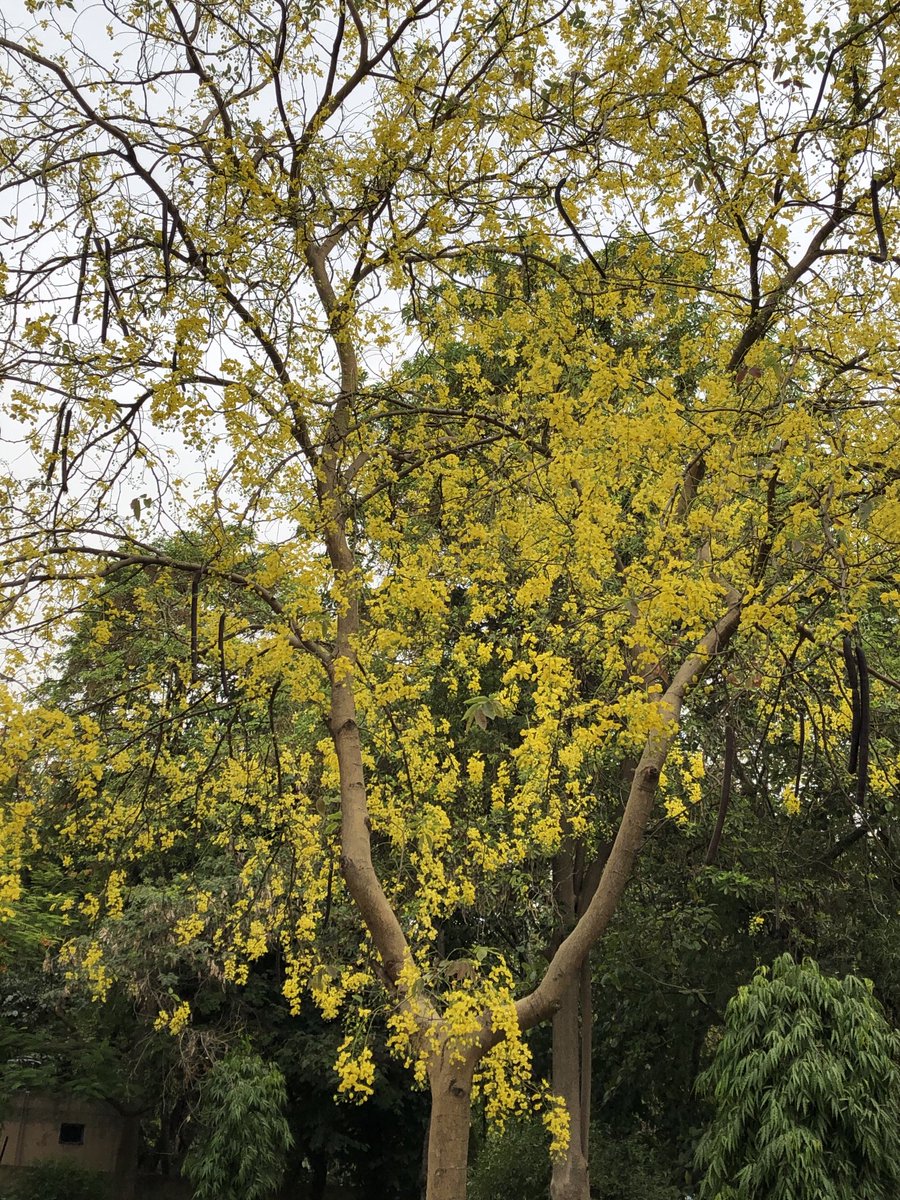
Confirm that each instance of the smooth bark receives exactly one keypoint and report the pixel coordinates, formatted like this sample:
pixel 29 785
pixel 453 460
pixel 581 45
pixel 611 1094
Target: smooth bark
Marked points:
pixel 448 1133
pixel 570 1179
pixel 546 998
pixel 575 881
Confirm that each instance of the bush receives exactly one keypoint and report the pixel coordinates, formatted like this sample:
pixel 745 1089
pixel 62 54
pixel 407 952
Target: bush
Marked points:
pixel 54 1180
pixel 515 1165
pixel 629 1167
pixel 241 1145
pixel 806 1091
pixel 512 1165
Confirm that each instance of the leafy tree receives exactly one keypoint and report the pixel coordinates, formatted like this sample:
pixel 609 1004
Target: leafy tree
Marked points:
pixel 806 1088
pixel 225 266
pixel 240 1147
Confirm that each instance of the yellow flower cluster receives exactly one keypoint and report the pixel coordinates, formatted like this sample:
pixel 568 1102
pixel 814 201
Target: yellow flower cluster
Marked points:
pixel 89 966
pixel 680 782
pixel 355 1071
pixel 175 1021
pixel 790 801
pixel 555 1118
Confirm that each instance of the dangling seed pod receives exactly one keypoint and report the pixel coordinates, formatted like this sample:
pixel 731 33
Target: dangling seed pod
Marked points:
pixel 725 798
pixel 862 776
pixel 853 680
pixel 82 275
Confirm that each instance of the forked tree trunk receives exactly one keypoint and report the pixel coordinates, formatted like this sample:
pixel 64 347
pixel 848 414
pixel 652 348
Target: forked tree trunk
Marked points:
pixel 448 1130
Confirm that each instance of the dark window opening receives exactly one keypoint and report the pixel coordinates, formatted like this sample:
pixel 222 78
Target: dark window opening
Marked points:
pixel 71 1135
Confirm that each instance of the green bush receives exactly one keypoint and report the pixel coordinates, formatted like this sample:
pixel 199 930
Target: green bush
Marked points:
pixel 54 1180
pixel 515 1165
pixel 806 1091
pixel 242 1140
pixel 629 1168
pixel 512 1165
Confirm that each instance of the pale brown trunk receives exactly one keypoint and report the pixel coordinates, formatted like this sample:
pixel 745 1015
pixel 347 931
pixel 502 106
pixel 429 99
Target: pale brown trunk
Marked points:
pixel 574 883
pixel 569 1179
pixel 587 1055
pixel 448 1131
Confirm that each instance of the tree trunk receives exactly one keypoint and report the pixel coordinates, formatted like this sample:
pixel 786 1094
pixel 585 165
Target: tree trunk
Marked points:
pixel 448 1130
pixel 570 1179
pixel 574 883
pixel 126 1164
pixel 318 1162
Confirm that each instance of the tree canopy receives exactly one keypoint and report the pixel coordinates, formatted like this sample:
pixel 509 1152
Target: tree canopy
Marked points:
pixel 423 405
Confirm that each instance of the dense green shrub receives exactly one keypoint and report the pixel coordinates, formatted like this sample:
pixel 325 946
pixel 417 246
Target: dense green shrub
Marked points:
pixel 806 1090
pixel 629 1168
pixel 515 1165
pixel 240 1148
pixel 512 1165
pixel 54 1180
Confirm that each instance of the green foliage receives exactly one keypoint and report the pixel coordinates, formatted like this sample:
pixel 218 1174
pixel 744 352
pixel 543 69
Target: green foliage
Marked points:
pixel 52 1180
pixel 240 1150
pixel 806 1090
pixel 629 1168
pixel 512 1164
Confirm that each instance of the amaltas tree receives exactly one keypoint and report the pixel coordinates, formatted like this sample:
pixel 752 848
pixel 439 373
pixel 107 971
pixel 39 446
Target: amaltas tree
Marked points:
pixel 432 627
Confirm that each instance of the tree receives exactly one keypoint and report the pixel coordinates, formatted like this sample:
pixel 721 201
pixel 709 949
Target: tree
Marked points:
pixel 240 1148
pixel 222 265
pixel 806 1086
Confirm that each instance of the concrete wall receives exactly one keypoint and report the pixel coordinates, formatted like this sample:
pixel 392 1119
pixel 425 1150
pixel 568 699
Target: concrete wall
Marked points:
pixel 32 1129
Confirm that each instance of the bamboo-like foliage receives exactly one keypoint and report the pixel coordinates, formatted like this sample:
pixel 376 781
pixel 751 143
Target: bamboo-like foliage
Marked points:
pixel 805 1086
pixel 242 1139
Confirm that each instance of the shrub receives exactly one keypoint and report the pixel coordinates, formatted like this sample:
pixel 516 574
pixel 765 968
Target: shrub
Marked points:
pixel 240 1150
pixel 512 1164
pixel 515 1165
pixel 630 1167
pixel 55 1180
pixel 806 1091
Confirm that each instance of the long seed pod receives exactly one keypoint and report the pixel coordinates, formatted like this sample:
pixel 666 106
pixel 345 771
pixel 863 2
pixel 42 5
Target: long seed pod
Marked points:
pixel 223 674
pixel 104 320
pixel 164 242
pixel 274 732
pixel 57 438
pixel 800 748
pixel 853 680
pixel 862 776
pixel 170 242
pixel 329 892
pixel 195 604
pixel 82 275
pixel 110 283
pixel 64 452
pixel 725 799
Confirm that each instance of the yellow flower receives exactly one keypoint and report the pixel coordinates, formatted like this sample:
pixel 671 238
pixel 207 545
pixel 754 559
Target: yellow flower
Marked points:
pixel 355 1072
pixel 790 801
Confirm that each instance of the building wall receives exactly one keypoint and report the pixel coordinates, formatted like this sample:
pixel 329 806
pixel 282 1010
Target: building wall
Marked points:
pixel 32 1129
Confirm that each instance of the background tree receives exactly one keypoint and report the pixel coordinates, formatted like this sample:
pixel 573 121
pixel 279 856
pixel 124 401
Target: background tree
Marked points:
pixel 241 1147
pixel 806 1087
